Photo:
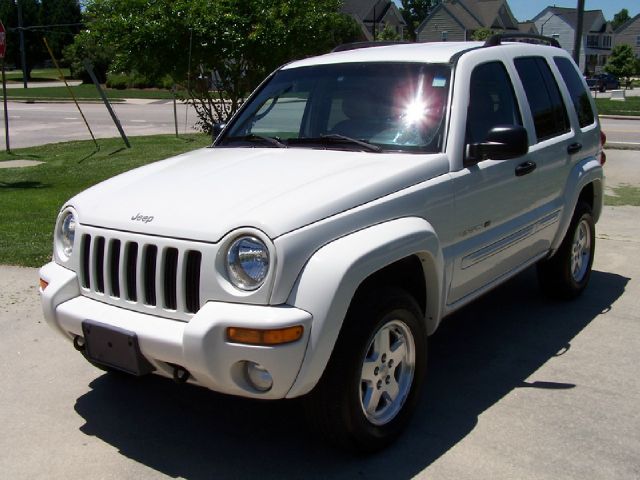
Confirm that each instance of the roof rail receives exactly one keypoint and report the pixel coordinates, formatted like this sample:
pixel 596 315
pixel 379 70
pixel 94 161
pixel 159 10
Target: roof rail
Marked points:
pixel 356 45
pixel 497 39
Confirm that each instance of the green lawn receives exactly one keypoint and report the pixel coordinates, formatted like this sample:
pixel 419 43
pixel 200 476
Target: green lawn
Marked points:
pixel 624 195
pixel 40 75
pixel 631 106
pixel 30 197
pixel 83 92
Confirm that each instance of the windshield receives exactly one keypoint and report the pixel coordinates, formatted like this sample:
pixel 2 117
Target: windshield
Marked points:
pixel 382 106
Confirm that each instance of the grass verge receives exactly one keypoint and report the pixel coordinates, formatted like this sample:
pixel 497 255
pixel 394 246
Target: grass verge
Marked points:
pixel 38 75
pixel 624 195
pixel 83 92
pixel 631 106
pixel 31 197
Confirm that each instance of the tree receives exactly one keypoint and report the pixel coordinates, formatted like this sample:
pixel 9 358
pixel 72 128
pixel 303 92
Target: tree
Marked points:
pixel 414 12
pixel 619 18
pixel 388 33
pixel 87 46
pixel 37 15
pixel 34 48
pixel 621 62
pixel 59 12
pixel 482 34
pixel 237 42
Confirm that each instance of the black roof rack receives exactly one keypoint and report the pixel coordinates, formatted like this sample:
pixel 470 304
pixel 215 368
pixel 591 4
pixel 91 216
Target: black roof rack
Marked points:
pixel 356 45
pixel 497 39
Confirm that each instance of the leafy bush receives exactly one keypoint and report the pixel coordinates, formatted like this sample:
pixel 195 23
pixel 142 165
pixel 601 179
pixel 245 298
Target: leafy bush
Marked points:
pixel 121 81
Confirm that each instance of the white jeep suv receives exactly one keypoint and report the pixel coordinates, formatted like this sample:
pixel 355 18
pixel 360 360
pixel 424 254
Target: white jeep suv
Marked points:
pixel 355 200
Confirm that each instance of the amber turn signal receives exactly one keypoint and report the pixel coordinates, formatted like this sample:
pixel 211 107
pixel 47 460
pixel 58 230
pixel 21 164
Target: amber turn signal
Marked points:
pixel 253 336
pixel 43 284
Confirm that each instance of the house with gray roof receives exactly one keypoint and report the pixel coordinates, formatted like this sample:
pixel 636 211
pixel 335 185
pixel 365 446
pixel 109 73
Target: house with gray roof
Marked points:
pixel 374 16
pixel 457 20
pixel 629 33
pixel 561 23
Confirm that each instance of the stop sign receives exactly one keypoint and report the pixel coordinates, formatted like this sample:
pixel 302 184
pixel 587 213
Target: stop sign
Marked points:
pixel 3 41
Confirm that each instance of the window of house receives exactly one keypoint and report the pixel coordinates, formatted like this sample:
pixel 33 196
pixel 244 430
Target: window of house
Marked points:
pixel 444 35
pixel 549 113
pixel 606 41
pixel 592 40
pixel 638 41
pixel 577 90
pixel 492 101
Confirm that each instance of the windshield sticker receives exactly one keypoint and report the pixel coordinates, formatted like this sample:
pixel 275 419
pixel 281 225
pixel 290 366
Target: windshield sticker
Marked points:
pixel 439 82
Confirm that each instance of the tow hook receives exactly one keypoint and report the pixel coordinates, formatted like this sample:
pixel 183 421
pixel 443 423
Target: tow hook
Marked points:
pixel 78 343
pixel 180 374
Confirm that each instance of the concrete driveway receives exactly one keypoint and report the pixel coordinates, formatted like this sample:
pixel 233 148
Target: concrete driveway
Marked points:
pixel 519 387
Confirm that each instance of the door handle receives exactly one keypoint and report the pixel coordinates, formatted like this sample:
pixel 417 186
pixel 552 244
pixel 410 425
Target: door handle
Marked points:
pixel 574 148
pixel 525 168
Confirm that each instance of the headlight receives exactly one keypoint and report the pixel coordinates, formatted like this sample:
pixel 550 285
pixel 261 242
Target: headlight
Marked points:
pixel 248 263
pixel 65 235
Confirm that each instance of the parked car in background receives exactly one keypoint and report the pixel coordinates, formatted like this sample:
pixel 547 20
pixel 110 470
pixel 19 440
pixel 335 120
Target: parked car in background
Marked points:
pixel 603 82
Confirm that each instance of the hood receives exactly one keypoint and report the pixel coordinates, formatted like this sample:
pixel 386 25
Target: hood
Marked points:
pixel 204 194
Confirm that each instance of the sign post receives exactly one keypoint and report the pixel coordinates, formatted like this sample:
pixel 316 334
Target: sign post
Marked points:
pixel 3 50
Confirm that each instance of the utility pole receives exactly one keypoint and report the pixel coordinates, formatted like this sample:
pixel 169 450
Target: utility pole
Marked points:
pixel 23 55
pixel 578 40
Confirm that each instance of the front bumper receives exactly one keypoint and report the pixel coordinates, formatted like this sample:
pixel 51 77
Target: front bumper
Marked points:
pixel 199 345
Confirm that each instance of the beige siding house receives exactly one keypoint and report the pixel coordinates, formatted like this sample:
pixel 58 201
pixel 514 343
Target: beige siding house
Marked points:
pixel 561 24
pixel 456 20
pixel 629 33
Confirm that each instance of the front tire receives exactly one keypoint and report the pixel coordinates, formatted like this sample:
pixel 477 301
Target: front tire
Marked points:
pixel 566 274
pixel 371 384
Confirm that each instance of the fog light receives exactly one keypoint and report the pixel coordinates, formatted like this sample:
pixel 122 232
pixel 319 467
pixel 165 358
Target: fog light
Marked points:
pixel 258 377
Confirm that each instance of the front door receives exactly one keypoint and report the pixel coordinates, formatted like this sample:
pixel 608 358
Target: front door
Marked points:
pixel 494 199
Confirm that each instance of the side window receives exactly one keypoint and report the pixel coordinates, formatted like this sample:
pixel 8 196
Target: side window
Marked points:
pixel 548 110
pixel 577 90
pixel 492 101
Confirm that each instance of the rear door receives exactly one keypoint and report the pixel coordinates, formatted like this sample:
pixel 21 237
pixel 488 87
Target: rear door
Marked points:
pixel 555 143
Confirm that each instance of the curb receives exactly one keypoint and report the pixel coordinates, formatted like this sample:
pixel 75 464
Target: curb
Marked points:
pixel 622 146
pixel 62 100
pixel 620 117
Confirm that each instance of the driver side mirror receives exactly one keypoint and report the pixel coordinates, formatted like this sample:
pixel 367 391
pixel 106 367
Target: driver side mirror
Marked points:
pixel 216 129
pixel 503 142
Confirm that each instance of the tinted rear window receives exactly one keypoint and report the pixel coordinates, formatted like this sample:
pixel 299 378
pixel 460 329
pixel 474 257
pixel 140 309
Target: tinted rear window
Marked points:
pixel 548 110
pixel 577 90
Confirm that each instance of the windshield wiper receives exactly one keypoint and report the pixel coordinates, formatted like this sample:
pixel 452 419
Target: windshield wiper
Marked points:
pixel 335 138
pixel 252 137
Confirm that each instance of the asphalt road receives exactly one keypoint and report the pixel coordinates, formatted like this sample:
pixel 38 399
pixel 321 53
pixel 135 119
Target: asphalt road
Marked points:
pixel 519 387
pixel 42 123
pixel 623 132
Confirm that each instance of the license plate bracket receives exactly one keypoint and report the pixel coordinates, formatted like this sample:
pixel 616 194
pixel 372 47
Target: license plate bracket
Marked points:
pixel 114 347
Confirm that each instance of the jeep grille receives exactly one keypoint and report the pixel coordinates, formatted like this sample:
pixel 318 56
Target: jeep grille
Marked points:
pixel 138 272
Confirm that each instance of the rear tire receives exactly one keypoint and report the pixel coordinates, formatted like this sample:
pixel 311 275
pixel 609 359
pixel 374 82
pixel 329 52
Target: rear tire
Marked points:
pixel 370 386
pixel 566 274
